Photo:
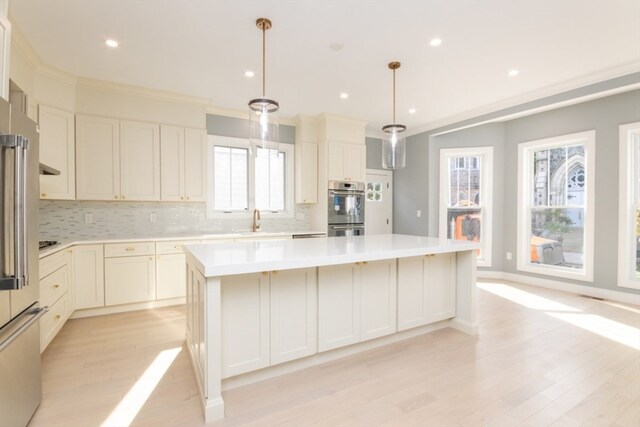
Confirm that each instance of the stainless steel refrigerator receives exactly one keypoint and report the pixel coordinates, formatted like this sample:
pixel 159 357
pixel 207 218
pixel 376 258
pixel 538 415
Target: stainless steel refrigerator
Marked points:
pixel 20 371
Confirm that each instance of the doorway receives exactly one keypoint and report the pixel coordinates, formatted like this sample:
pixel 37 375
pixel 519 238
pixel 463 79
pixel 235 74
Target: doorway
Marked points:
pixel 379 202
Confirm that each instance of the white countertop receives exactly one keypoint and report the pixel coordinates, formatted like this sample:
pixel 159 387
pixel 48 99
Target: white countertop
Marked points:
pixel 225 259
pixel 173 237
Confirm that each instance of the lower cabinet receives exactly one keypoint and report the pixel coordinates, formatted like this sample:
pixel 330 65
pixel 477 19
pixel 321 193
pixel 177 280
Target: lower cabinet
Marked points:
pixel 195 320
pixel 268 318
pixel 56 292
pixel 426 290
pixel 88 276
pixel 129 279
pixel 356 302
pixel 170 276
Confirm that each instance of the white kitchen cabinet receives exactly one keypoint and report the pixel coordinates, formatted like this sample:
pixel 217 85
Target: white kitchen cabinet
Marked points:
pixel 57 149
pixel 129 273
pixel 426 290
pixel 346 161
pixel 139 161
pixel 5 48
pixel 306 167
pixel 170 276
pixel 195 321
pixel 294 314
pixel 88 276
pixel 245 323
pixel 56 292
pixel 97 158
pixel 356 302
pixel 378 299
pixel 184 164
pixel 338 306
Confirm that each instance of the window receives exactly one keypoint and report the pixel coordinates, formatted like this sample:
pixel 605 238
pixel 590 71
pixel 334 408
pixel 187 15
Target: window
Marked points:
pixel 466 197
pixel 555 209
pixel 242 182
pixel 629 223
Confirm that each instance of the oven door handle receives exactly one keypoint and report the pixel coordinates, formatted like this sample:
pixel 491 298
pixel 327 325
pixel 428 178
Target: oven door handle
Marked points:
pixel 346 193
pixel 346 227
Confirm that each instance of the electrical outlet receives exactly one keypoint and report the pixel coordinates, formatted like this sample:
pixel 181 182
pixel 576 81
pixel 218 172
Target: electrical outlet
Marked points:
pixel 419 213
pixel 88 218
pixel 153 217
pixel 509 256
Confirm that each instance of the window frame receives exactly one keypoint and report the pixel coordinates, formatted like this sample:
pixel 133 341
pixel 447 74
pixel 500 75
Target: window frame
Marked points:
pixel 228 141
pixel 525 197
pixel 486 195
pixel 628 200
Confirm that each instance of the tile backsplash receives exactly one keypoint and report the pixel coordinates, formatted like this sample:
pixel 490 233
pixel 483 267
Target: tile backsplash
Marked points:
pixel 65 220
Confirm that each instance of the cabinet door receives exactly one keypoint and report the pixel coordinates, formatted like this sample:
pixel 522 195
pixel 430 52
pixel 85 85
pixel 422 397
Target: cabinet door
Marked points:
pixel 170 276
pixel 378 299
pixel 306 173
pixel 57 149
pixel 412 293
pixel 336 157
pixel 294 314
pixel 441 287
pixel 172 163
pixel 355 162
pixel 338 306
pixel 245 323
pixel 97 158
pixel 140 160
pixel 88 276
pixel 5 48
pixel 129 279
pixel 195 165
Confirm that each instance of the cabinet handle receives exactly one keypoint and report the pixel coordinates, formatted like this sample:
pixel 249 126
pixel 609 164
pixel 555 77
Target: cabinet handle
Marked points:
pixel 275 271
pixel 56 286
pixel 358 263
pixel 264 273
pixel 129 249
pixel 365 262
pixel 122 197
pixel 181 198
pixel 44 194
pixel 150 258
pixel 57 317
pixel 187 197
pixel 115 197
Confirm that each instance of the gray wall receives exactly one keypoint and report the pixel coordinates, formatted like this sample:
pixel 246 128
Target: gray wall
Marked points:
pixel 416 187
pixel 239 128
pixel 374 153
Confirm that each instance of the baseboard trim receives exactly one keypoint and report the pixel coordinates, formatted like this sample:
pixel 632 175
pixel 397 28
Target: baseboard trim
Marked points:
pixel 558 285
pixel 100 311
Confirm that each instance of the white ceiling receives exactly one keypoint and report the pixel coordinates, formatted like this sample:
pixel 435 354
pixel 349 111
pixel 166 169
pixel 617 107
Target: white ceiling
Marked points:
pixel 203 48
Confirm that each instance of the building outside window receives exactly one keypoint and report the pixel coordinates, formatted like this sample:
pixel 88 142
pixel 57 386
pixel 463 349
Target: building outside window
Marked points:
pixel 466 197
pixel 629 210
pixel 555 220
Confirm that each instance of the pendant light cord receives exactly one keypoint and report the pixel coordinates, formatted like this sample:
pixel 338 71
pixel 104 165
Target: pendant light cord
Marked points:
pixel 264 56
pixel 394 95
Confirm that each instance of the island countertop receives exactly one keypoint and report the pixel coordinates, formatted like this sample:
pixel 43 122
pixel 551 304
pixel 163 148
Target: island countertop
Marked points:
pixel 224 259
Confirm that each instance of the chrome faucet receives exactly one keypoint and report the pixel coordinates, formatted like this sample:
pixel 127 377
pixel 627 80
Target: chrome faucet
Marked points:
pixel 256 225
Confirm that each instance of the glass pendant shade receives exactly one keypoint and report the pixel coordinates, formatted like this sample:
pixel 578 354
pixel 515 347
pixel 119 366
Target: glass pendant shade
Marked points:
pixel 263 126
pixel 394 153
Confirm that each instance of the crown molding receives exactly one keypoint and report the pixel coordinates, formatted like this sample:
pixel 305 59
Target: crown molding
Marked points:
pixel 20 43
pixel 237 114
pixel 599 77
pixel 345 119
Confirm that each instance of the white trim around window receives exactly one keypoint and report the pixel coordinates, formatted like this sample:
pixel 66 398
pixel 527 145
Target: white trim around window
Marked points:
pixel 629 202
pixel 226 141
pixel 484 166
pixel 526 181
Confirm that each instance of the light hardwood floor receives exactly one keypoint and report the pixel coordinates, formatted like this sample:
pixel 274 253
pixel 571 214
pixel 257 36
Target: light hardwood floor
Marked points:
pixel 537 364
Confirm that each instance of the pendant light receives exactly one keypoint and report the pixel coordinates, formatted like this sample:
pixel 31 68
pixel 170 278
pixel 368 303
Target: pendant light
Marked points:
pixel 263 112
pixel 393 142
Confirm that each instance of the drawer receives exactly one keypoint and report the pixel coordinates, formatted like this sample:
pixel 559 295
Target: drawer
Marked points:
pixel 54 285
pixel 51 263
pixel 175 247
pixel 52 321
pixel 129 249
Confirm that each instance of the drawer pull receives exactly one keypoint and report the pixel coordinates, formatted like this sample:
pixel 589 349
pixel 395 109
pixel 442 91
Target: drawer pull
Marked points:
pixel 56 286
pixel 150 258
pixel 129 249
pixel 275 272
pixel 264 273
pixel 57 317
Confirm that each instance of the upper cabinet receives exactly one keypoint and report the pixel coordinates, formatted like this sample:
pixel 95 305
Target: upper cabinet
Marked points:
pixel 346 161
pixel 57 149
pixel 184 164
pixel 97 158
pixel 139 161
pixel 5 47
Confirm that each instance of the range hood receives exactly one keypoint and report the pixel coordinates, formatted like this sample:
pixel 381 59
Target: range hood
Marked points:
pixel 48 170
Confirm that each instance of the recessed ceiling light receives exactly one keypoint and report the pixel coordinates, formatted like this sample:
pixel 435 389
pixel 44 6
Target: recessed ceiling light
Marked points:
pixel 435 42
pixel 344 95
pixel 513 73
pixel 111 43
pixel 249 74
pixel 412 110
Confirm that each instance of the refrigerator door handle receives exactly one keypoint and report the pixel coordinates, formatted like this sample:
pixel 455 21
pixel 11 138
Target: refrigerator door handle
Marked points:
pixel 24 144
pixel 35 313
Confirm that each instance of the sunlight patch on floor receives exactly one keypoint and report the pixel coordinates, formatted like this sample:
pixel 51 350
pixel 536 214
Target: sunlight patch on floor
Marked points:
pixel 607 328
pixel 133 401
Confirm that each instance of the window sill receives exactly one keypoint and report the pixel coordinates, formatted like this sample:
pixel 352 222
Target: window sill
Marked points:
pixel 565 273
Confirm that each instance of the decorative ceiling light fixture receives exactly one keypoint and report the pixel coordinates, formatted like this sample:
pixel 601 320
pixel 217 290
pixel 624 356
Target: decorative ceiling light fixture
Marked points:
pixel 263 112
pixel 393 142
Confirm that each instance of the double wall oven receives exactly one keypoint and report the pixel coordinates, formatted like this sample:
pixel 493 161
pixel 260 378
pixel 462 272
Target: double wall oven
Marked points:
pixel 346 208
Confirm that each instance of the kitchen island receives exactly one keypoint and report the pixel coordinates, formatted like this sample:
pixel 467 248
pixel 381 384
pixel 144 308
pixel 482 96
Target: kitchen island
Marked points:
pixel 264 308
